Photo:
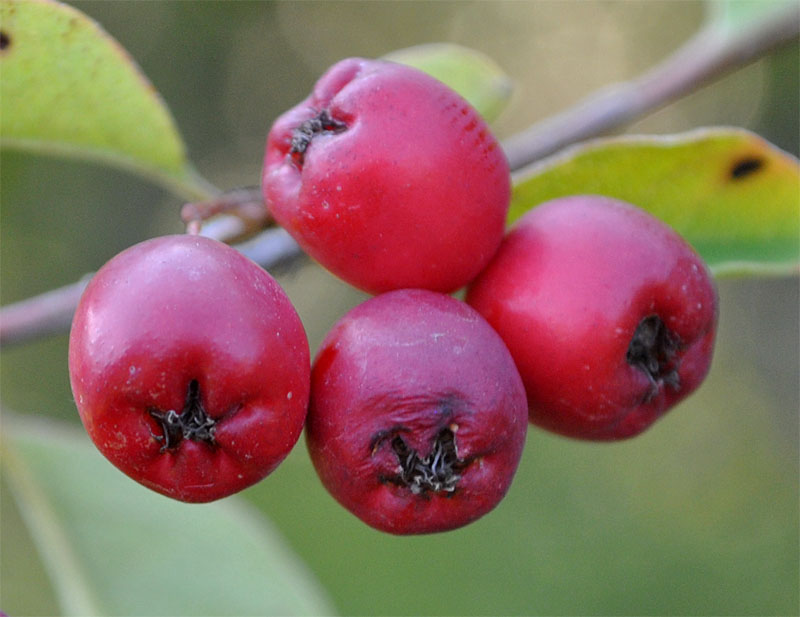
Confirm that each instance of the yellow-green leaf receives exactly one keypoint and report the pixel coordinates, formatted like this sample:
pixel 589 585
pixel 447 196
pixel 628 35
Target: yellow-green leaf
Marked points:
pixel 734 196
pixel 472 74
pixel 69 89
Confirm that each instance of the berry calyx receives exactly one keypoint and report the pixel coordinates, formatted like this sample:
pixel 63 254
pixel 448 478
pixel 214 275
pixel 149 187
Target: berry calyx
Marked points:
pixel 191 423
pixel 437 472
pixel 654 351
pixel 322 123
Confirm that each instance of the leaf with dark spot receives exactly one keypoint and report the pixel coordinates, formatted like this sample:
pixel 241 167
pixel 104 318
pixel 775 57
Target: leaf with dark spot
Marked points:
pixel 69 89
pixel 730 193
pixel 745 167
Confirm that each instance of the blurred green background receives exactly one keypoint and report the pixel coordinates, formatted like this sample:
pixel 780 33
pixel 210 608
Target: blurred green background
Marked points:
pixel 699 515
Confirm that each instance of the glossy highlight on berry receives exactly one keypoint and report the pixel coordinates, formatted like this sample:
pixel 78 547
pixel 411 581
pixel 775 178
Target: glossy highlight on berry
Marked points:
pixel 418 415
pixel 190 367
pixel 610 315
pixel 388 178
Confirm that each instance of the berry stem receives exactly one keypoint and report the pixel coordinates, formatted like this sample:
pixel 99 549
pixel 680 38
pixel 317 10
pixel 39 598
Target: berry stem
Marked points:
pixel 244 205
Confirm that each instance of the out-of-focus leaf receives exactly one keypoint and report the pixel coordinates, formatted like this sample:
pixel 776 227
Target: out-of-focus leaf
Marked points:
pixel 472 74
pixel 737 17
pixel 731 194
pixel 69 89
pixel 112 547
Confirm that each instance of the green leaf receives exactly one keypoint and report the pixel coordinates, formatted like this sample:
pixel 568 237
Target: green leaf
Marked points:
pixel 472 74
pixel 112 547
pixel 731 194
pixel 737 17
pixel 69 89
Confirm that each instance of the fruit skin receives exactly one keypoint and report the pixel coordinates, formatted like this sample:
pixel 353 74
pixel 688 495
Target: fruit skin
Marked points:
pixel 398 183
pixel 176 310
pixel 567 290
pixel 425 368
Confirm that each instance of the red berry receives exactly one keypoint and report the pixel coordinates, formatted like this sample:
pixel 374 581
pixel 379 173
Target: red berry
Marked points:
pixel 388 178
pixel 418 416
pixel 609 314
pixel 189 367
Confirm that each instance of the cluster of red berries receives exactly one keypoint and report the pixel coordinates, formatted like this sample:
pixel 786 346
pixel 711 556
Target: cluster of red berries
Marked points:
pixel 191 369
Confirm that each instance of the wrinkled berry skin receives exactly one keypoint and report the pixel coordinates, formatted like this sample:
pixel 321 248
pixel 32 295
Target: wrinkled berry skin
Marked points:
pixel 588 292
pixel 388 178
pixel 182 323
pixel 415 378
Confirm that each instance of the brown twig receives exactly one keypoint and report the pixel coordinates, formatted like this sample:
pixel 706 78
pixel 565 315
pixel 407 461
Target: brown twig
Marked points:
pixel 42 315
pixel 706 56
pixel 51 312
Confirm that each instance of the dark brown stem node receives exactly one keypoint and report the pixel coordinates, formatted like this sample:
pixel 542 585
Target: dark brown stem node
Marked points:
pixel 245 204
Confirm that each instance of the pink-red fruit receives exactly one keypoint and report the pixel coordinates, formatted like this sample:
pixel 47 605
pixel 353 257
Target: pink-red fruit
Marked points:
pixel 189 367
pixel 418 416
pixel 609 314
pixel 388 178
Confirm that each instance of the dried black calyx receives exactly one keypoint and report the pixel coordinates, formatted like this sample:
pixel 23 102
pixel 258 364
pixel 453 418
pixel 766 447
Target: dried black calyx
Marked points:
pixel 191 423
pixel 437 472
pixel 303 134
pixel 654 350
pixel 5 40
